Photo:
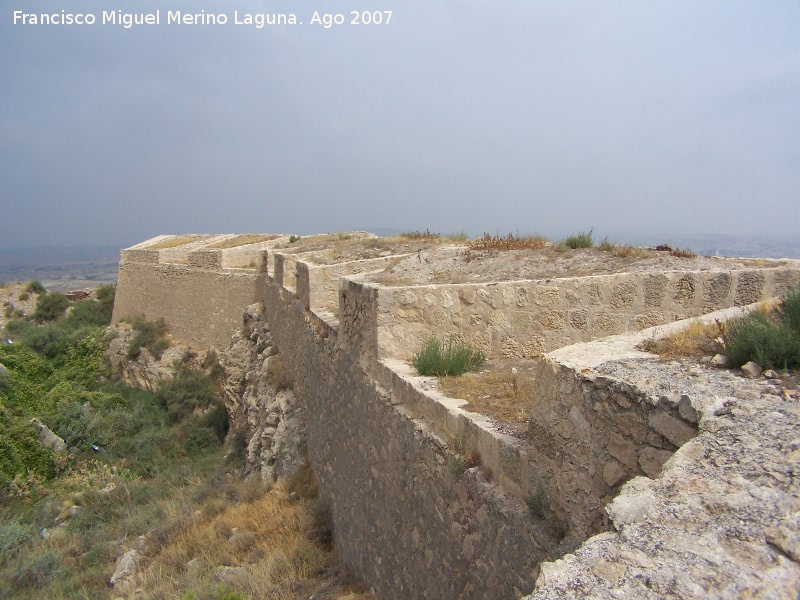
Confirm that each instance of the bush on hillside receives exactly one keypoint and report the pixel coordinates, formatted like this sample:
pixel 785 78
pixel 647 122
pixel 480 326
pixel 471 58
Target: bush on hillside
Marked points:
pixel 51 306
pixel 149 335
pixel 34 287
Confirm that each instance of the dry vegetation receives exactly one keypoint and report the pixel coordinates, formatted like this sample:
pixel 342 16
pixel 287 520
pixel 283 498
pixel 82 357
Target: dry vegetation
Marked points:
pixel 496 392
pixel 273 545
pixel 242 240
pixel 696 340
pixel 180 240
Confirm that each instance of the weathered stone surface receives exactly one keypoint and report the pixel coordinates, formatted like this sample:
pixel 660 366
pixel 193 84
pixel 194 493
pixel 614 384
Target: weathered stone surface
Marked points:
pixel 683 293
pixel 720 361
pixel 273 421
pixel 47 438
pixel 623 450
pixel 127 565
pixel 751 369
pixel 652 459
pixel 675 430
pixel 749 288
pixel 614 473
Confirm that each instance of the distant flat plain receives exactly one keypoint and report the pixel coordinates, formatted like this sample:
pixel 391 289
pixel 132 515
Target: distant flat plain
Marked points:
pixel 80 267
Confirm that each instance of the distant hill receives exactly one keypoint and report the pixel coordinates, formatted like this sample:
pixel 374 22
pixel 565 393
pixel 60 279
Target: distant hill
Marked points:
pixel 61 269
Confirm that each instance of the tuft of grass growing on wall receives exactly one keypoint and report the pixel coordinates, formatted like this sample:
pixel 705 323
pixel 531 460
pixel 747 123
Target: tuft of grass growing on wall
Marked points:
pixel 442 358
pixel 537 504
pixel 583 239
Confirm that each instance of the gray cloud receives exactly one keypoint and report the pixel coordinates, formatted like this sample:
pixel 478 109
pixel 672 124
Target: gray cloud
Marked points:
pixel 553 116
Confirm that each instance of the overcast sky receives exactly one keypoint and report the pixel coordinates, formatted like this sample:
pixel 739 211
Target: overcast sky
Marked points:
pixel 530 116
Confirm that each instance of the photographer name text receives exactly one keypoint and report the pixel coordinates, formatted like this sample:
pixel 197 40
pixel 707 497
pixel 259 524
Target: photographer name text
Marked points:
pixel 129 20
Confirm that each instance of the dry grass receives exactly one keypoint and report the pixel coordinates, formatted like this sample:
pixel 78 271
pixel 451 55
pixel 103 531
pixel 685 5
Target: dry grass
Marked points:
pixel 677 252
pixel 267 540
pixel 180 240
pixel 509 242
pixel 499 394
pixel 698 339
pixel 624 250
pixel 242 240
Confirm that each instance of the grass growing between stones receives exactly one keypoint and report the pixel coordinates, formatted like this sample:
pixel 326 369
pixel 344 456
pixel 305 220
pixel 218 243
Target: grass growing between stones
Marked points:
pixel 448 357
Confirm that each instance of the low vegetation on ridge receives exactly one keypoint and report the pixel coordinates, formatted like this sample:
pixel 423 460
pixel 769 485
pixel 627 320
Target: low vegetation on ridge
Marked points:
pixel 141 470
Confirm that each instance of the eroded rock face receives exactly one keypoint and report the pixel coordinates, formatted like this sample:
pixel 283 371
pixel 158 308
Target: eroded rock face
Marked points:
pixel 272 420
pixel 146 370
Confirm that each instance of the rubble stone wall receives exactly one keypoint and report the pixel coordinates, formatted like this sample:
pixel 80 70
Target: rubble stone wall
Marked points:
pixel 407 517
pixel 201 302
pixel 517 319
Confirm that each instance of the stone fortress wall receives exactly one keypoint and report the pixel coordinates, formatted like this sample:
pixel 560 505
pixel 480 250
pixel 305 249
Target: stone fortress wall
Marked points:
pixel 389 451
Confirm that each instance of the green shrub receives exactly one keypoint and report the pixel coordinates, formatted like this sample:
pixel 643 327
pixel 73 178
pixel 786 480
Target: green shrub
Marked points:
pixel 216 420
pixel 441 358
pixel 294 238
pixel 149 335
pixel 34 287
pixel 13 537
pixel 50 307
pixel 790 310
pixel 185 393
pixel 23 296
pixel 583 239
pixel 761 339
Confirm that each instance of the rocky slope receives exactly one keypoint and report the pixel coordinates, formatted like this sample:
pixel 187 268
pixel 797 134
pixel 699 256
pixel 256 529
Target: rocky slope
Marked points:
pixel 263 410
pixel 260 402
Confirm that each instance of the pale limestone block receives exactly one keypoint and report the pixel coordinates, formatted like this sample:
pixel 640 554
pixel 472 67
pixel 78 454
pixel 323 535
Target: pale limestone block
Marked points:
pixel 534 346
pixel 651 319
pixel 546 296
pixel 655 289
pixel 482 340
pixel 623 295
pixel 749 287
pixel 683 292
pixel 521 321
pixel 407 297
pixel 675 430
pixel 573 300
pixel 486 297
pixel 716 289
pixel 510 348
pixel 579 319
pixel 652 459
pixel 497 320
pixel 613 473
pixel 552 319
pixel 608 324
pixel 623 450
pixel 522 297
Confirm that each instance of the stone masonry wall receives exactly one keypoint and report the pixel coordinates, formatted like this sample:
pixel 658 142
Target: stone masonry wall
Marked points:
pixel 201 303
pixel 403 519
pixel 517 319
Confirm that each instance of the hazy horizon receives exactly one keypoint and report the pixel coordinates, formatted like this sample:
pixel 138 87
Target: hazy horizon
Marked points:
pixel 545 117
